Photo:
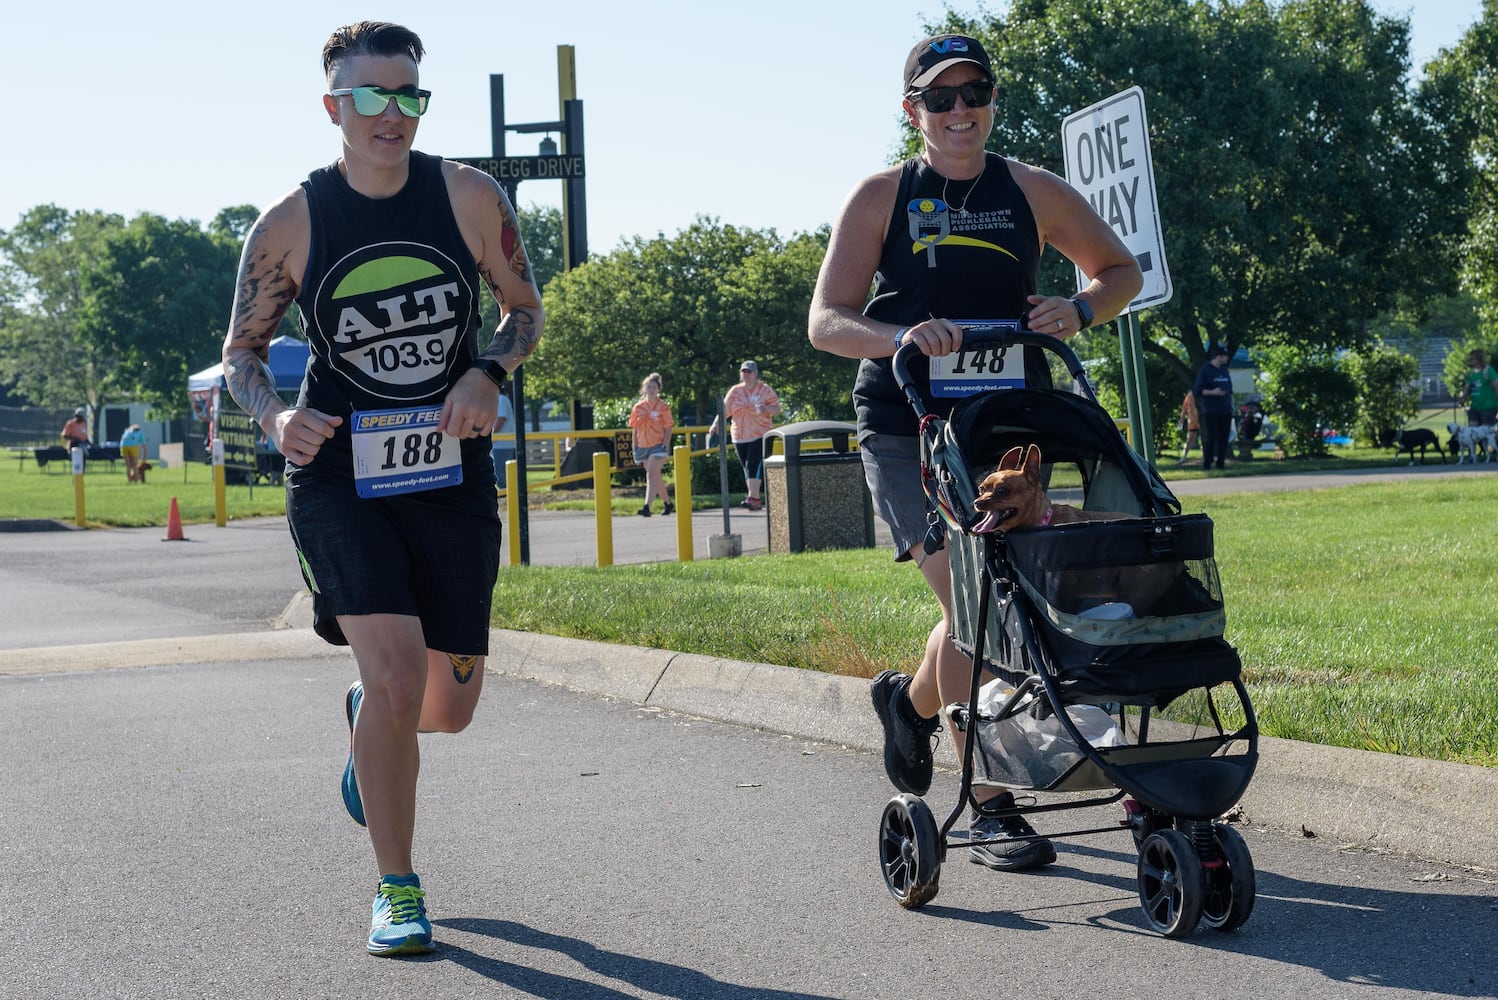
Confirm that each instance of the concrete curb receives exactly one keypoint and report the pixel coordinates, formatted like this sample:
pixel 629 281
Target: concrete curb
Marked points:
pixel 1408 805
pixel 238 647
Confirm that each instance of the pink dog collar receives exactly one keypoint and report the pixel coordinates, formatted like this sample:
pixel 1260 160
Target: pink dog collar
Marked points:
pixel 1047 518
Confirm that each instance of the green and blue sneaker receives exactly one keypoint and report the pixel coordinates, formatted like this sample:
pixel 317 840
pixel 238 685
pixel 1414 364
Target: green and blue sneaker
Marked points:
pixel 398 923
pixel 351 800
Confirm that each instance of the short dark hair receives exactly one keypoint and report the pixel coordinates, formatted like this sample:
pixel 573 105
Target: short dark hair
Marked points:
pixel 370 38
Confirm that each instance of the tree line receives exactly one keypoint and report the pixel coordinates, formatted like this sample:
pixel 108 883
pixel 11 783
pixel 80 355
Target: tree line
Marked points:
pixel 1314 199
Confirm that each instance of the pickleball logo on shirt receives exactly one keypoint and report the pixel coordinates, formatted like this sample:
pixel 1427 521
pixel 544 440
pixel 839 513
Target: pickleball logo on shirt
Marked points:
pixel 391 315
pixel 934 224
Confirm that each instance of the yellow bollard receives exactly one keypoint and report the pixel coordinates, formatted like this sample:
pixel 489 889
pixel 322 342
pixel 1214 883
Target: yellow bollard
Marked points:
pixel 603 511
pixel 220 503
pixel 512 509
pixel 681 456
pixel 79 517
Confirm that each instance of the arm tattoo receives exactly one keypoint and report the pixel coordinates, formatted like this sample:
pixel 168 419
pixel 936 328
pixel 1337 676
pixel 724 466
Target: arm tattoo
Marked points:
pixel 510 243
pixel 517 333
pixel 264 293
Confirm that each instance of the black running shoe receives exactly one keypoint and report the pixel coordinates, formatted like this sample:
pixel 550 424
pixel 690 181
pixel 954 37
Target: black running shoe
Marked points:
pixel 907 738
pixel 1010 854
pixel 669 508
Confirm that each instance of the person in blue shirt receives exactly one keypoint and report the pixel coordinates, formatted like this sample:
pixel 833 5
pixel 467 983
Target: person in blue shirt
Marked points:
pixel 133 451
pixel 1213 389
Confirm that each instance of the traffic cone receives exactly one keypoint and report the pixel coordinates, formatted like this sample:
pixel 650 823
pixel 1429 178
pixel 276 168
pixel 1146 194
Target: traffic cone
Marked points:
pixel 174 525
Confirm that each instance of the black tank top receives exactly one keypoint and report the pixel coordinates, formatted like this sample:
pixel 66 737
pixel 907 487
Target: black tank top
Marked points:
pixel 389 304
pixel 979 262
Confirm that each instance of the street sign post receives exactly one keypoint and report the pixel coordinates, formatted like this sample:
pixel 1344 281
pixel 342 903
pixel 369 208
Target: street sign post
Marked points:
pixel 509 171
pixel 1106 149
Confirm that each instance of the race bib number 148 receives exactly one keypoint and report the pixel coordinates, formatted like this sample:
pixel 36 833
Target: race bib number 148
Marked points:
pixel 401 451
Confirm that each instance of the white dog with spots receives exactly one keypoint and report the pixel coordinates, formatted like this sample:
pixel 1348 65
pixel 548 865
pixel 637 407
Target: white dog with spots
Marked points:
pixel 1467 440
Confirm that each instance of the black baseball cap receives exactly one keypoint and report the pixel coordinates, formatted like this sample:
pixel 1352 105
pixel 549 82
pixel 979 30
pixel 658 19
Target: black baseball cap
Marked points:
pixel 939 52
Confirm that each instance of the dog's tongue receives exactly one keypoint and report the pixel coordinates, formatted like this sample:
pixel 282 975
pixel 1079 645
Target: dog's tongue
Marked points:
pixel 990 521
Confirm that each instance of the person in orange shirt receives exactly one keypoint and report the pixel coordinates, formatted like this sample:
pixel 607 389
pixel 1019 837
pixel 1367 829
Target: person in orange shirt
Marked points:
pixel 75 432
pixel 650 424
pixel 751 407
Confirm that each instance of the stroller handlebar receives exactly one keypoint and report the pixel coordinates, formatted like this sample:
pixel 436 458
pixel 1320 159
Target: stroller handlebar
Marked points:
pixel 989 333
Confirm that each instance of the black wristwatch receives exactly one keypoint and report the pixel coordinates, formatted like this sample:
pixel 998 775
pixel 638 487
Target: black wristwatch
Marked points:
pixel 1084 314
pixel 493 371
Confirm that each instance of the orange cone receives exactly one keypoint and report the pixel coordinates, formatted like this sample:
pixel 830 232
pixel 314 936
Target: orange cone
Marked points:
pixel 174 525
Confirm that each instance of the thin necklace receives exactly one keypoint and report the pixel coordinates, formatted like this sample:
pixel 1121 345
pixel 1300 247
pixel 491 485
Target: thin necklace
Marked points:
pixel 962 209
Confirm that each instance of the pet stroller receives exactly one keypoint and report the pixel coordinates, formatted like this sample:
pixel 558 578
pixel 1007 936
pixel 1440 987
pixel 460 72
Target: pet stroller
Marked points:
pixel 1113 679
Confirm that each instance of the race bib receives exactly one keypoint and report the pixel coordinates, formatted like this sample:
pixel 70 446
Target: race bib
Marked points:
pixel 981 368
pixel 401 451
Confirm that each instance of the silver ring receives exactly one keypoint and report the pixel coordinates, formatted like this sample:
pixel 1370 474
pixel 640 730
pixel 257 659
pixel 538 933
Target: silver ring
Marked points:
pixel 1059 324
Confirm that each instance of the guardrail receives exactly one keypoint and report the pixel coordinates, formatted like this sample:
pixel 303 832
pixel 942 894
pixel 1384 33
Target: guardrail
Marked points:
pixel 550 451
pixel 547 451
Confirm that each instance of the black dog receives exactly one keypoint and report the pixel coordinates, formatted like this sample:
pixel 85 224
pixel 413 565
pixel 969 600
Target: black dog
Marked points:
pixel 1411 440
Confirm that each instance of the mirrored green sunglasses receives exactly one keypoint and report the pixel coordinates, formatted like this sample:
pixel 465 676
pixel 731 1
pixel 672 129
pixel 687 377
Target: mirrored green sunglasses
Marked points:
pixel 372 101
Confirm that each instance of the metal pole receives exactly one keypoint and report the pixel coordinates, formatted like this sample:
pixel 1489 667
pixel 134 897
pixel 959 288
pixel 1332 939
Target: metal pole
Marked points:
pixel 522 525
pixel 723 466
pixel 1143 424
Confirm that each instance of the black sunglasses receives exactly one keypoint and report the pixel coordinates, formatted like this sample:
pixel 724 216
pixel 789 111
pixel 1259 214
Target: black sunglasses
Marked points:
pixel 977 94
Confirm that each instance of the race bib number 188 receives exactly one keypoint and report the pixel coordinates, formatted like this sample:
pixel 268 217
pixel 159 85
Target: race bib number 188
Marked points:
pixel 401 451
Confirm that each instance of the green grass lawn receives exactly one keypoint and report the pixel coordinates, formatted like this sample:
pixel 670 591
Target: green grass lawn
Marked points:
pixel 1363 614
pixel 108 500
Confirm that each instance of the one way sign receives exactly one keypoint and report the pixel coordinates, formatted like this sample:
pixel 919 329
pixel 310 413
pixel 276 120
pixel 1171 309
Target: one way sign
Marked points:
pixel 1107 154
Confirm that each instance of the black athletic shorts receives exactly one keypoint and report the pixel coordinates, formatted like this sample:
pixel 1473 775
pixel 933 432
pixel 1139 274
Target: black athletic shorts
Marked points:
pixel 433 554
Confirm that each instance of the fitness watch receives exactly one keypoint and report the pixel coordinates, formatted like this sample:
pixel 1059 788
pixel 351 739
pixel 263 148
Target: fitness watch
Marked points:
pixel 493 371
pixel 1084 313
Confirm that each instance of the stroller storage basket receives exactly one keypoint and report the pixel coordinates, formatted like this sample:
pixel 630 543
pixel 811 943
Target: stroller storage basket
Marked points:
pixel 1122 611
pixel 1027 747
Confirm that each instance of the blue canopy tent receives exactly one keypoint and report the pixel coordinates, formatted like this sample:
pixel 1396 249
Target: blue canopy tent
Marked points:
pixel 288 362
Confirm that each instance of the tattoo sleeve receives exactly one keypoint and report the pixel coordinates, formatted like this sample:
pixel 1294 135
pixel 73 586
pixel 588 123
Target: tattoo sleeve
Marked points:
pixel 515 339
pixel 520 326
pixel 263 293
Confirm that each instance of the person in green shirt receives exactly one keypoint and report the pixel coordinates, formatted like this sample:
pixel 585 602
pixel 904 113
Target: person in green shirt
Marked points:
pixel 1480 392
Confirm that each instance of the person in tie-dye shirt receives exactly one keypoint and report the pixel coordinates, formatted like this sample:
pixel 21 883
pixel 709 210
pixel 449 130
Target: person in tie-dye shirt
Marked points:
pixel 650 424
pixel 751 407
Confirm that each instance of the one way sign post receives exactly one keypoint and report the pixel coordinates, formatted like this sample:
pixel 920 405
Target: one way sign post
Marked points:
pixel 1106 149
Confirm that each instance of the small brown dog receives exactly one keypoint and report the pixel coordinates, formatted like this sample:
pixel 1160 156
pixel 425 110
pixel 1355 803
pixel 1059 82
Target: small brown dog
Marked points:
pixel 1011 496
pixel 141 470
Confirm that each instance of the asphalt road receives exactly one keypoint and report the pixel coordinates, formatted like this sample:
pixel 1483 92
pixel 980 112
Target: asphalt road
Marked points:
pixel 176 832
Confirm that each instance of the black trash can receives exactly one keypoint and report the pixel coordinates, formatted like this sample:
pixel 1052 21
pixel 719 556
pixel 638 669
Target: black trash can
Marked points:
pixel 816 499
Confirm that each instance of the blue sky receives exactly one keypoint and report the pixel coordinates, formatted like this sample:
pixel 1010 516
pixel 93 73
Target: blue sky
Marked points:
pixel 762 114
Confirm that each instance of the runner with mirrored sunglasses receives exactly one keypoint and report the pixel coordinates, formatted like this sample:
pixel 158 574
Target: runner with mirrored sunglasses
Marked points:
pixel 390 483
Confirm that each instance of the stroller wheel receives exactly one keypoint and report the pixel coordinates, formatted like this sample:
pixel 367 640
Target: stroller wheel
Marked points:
pixel 1170 883
pixel 909 853
pixel 1230 885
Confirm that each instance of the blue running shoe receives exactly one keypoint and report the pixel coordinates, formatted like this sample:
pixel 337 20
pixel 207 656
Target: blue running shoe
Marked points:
pixel 351 800
pixel 398 923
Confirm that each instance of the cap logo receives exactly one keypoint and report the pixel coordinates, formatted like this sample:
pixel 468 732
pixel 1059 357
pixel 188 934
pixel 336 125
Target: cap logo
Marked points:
pixel 949 45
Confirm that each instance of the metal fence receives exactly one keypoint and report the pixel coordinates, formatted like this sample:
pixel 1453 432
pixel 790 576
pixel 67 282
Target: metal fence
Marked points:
pixel 31 426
